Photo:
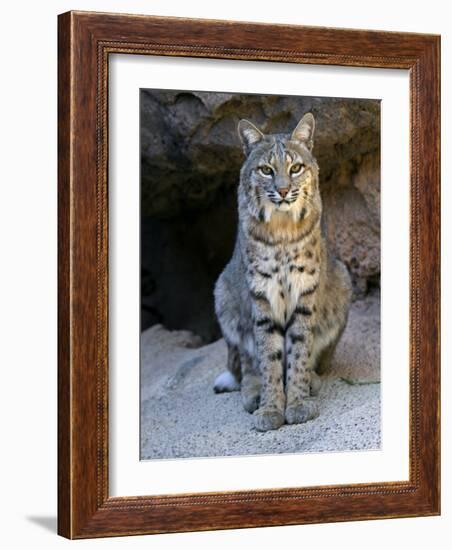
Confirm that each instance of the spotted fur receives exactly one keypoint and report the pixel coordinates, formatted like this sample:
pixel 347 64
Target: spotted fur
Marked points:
pixel 282 301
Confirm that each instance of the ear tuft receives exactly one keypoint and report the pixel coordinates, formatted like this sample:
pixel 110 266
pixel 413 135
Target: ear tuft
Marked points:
pixel 249 135
pixel 304 131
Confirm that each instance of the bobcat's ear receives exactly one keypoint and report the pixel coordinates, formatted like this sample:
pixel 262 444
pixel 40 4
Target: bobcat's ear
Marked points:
pixel 249 135
pixel 304 131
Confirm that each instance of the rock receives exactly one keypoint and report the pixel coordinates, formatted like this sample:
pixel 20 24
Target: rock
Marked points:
pixel 352 222
pixel 181 416
pixel 161 351
pixel 357 356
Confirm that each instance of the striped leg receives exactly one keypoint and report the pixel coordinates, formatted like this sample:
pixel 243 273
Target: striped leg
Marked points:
pixel 300 406
pixel 269 341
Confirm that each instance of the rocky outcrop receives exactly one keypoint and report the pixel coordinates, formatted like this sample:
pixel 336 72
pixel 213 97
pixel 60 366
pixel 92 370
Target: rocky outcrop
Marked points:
pixel 190 163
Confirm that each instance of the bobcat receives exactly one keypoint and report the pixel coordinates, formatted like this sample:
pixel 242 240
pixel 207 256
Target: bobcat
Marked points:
pixel 282 301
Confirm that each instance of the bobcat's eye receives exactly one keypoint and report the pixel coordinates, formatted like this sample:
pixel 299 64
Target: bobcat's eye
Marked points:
pixel 266 170
pixel 296 169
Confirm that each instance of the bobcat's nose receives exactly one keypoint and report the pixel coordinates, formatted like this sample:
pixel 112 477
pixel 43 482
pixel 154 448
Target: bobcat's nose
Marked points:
pixel 283 191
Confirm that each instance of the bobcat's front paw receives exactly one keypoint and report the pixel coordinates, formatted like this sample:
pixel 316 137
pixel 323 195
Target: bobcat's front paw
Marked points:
pixel 268 419
pixel 316 384
pixel 307 409
pixel 251 393
pixel 250 401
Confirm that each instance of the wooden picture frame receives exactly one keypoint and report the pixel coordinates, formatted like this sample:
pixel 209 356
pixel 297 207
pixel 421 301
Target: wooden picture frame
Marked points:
pixel 85 42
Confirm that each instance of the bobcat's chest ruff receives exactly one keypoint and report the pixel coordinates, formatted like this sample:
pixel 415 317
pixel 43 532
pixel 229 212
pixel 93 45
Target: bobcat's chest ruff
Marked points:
pixel 285 278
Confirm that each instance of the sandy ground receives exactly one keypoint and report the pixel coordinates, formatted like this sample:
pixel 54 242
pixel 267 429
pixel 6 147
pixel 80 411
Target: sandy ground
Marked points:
pixel 181 416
